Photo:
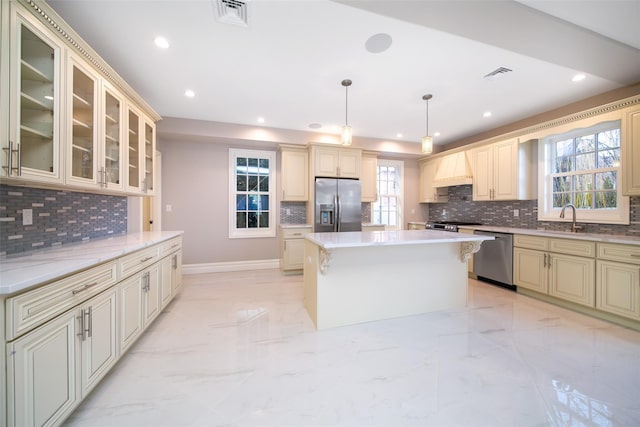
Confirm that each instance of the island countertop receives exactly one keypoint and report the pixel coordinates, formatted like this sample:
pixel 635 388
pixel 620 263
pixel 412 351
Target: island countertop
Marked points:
pixel 356 239
pixel 19 272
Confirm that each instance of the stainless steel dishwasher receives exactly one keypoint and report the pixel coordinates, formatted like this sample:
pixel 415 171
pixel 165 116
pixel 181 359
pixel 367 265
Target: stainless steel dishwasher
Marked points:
pixel 494 260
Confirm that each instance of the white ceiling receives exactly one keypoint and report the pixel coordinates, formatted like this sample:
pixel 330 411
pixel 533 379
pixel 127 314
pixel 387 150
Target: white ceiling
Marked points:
pixel 287 65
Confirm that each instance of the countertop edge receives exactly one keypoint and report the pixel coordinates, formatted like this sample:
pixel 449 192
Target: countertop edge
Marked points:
pixel 593 237
pixel 51 264
pixel 385 238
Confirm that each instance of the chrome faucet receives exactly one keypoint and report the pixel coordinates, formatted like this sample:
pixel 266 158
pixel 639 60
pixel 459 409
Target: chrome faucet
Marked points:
pixel 574 227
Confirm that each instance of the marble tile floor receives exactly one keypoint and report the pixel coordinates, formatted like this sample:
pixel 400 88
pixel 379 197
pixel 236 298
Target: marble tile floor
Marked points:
pixel 239 349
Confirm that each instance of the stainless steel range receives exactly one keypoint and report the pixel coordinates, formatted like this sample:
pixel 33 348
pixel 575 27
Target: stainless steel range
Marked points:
pixel 448 225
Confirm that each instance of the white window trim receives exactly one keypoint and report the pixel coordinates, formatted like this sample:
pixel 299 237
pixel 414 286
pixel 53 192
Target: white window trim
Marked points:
pixel 399 164
pixel 235 233
pixel 546 212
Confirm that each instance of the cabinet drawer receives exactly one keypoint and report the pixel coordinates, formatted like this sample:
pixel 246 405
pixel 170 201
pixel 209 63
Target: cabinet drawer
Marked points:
pixel 531 242
pixel 137 261
pixel 295 233
pixel 33 308
pixel 573 247
pixel 170 246
pixel 622 253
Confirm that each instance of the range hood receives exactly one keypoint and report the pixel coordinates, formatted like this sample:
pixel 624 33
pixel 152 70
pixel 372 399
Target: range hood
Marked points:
pixel 453 169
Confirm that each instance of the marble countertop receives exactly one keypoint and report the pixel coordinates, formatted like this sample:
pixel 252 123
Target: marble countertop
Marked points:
pixel 20 272
pixel 594 237
pixel 355 239
pixel 295 225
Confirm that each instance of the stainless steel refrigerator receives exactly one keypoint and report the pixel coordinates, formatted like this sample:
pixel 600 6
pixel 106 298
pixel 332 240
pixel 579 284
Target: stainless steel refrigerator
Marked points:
pixel 338 205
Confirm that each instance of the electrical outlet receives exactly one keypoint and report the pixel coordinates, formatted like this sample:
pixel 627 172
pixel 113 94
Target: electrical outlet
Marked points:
pixel 288 211
pixel 516 212
pixel 27 216
pixel 167 208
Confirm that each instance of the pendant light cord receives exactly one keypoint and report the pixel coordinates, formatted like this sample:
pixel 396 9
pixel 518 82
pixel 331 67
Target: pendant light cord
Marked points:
pixel 346 105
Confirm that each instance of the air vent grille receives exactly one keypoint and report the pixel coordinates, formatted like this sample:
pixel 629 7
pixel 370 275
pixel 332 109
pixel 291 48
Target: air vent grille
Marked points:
pixel 498 71
pixel 232 12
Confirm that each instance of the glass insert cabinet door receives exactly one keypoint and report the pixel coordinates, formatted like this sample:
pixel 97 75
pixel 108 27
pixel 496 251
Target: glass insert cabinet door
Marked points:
pixel 112 149
pixel 83 120
pixel 134 149
pixel 35 105
pixel 149 149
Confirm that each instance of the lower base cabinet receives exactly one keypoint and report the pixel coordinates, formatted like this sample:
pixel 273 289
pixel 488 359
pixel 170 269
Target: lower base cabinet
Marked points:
pixel 52 367
pixel 618 288
pixel 43 363
pixel 292 248
pixel 551 271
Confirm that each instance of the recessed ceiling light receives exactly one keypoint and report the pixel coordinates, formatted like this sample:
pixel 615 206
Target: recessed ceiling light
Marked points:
pixel 161 42
pixel 578 78
pixel 436 134
pixel 189 93
pixel 315 125
pixel 260 119
pixel 486 114
pixel 398 135
pixel 378 43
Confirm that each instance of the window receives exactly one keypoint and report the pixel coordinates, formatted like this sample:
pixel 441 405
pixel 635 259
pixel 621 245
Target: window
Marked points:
pixel 388 208
pixel 582 167
pixel 251 193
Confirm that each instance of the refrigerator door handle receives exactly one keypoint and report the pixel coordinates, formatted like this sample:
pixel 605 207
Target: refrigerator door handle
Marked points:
pixel 336 203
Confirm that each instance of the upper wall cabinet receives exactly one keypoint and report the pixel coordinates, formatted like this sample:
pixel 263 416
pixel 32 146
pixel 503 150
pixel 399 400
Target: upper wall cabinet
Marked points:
pixel 65 112
pixel 335 162
pixel 369 177
pixel 631 152
pixel 141 146
pixel 294 173
pixel 82 118
pixel 504 170
pixel 32 150
pixel 428 192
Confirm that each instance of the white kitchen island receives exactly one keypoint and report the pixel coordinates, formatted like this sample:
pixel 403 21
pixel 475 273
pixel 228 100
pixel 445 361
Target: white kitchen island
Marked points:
pixel 355 277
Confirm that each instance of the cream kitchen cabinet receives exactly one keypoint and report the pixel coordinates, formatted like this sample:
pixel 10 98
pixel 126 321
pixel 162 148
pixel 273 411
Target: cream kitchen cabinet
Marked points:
pixel 82 119
pixel 292 247
pixel 294 173
pixel 369 177
pixel 335 162
pixel 618 280
pixel 62 337
pixel 563 268
pixel 631 152
pixel 41 374
pixel 505 171
pixel 428 192
pixel 141 148
pixel 45 363
pixel 32 151
pixel 64 113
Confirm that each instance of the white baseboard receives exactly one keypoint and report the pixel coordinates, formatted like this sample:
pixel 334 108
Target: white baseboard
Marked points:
pixel 219 267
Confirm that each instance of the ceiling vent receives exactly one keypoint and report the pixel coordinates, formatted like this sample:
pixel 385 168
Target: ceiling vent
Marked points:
pixel 232 12
pixel 498 71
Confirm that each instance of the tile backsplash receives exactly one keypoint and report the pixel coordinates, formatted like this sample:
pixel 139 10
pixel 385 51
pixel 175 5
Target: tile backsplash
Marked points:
pixel 296 213
pixel 461 207
pixel 59 217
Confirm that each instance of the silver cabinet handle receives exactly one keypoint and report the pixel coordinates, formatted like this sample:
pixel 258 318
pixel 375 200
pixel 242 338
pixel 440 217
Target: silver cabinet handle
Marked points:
pixel 549 264
pixel 635 255
pixel 9 157
pixel 19 151
pixel 84 288
pixel 174 263
pixel 90 317
pixel 81 334
pixel 544 263
pixel 175 246
pixel 146 259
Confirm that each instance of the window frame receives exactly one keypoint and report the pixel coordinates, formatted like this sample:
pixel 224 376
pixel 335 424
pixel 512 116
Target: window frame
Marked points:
pixel 239 233
pixel 546 211
pixel 399 164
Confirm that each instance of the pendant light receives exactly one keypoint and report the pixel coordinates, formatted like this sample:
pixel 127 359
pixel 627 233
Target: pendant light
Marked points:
pixel 346 129
pixel 427 141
